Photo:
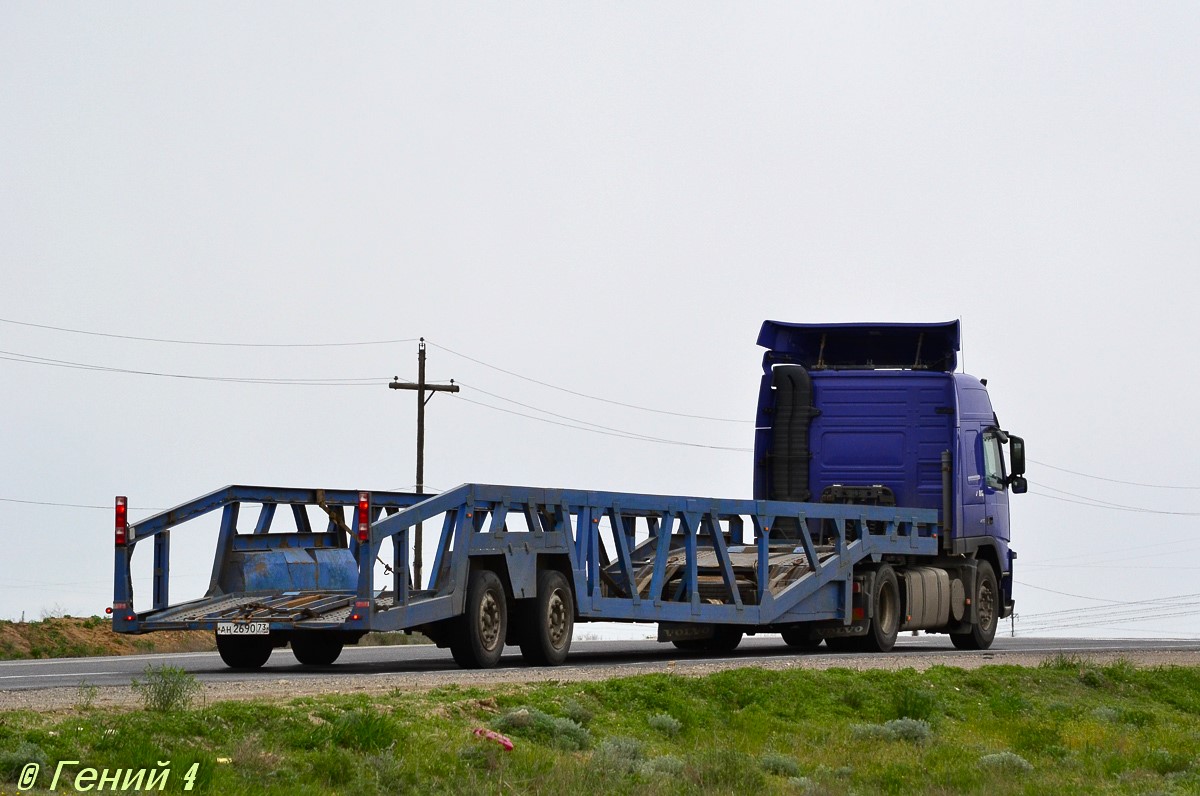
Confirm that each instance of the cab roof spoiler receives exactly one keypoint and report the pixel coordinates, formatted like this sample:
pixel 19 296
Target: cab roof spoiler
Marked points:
pixel 863 346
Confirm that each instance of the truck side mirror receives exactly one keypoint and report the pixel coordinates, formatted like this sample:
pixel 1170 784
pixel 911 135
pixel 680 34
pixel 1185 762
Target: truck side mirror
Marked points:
pixel 1019 485
pixel 1016 455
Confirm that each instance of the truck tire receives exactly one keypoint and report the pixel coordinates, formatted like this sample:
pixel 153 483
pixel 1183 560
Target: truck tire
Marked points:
pixel 314 648
pixel 801 637
pixel 987 601
pixel 549 622
pixel 478 641
pixel 885 623
pixel 244 652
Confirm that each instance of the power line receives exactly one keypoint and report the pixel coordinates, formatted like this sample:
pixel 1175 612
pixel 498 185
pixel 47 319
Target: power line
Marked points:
pixel 1105 556
pixel 1116 507
pixel 1064 594
pixel 206 342
pixel 75 505
pixel 30 359
pixel 567 417
pixel 607 433
pixel 585 395
pixel 1184 609
pixel 1111 480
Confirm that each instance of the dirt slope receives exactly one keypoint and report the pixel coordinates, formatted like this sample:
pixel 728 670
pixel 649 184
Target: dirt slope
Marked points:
pixel 70 637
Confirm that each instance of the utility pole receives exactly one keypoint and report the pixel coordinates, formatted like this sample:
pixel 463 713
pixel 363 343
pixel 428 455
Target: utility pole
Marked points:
pixel 421 387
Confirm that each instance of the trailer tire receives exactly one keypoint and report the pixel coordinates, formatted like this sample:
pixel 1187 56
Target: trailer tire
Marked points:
pixel 478 641
pixel 244 652
pixel 885 622
pixel 313 648
pixel 801 637
pixel 987 601
pixel 546 635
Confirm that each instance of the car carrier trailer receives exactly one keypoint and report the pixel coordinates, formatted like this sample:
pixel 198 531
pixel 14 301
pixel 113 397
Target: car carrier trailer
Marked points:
pixel 880 505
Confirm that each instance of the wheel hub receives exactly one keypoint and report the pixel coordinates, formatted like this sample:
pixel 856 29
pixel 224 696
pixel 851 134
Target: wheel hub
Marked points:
pixel 987 605
pixel 489 622
pixel 557 620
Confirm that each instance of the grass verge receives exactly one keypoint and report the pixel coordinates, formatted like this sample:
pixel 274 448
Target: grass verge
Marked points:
pixel 1065 727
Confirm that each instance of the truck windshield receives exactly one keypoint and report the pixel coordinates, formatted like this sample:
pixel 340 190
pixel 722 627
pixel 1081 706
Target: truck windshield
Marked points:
pixel 993 461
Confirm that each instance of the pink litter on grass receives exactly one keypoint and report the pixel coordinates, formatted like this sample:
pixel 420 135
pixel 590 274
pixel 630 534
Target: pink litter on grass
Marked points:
pixel 491 735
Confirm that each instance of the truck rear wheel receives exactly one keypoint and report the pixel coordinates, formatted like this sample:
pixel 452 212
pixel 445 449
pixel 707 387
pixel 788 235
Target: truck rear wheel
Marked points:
pixel 244 652
pixel 987 601
pixel 885 624
pixel 546 636
pixel 478 641
pixel 314 648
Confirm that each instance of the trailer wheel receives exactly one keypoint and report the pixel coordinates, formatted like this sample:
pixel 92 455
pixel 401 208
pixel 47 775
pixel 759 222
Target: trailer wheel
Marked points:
pixel 987 599
pixel 801 637
pixel 315 648
pixel 546 636
pixel 885 624
pixel 478 641
pixel 244 652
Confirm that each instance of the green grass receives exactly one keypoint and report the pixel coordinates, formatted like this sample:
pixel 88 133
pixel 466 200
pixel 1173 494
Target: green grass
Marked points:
pixel 1066 727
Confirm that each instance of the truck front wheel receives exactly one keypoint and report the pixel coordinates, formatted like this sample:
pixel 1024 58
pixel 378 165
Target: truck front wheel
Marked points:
pixel 546 636
pixel 244 652
pixel 478 641
pixel 987 602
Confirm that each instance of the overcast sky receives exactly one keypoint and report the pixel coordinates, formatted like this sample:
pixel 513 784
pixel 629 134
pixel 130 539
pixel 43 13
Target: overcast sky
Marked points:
pixel 609 198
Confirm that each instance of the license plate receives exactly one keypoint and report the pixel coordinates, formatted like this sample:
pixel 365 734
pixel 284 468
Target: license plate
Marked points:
pixel 243 628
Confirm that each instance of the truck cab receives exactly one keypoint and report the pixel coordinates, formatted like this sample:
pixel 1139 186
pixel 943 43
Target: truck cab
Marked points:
pixel 876 414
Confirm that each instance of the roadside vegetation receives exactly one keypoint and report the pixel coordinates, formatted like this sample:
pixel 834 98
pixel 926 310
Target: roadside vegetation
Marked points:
pixel 1065 727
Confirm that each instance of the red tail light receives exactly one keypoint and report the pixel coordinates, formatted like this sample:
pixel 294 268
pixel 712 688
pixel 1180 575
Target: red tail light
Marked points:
pixel 122 521
pixel 364 516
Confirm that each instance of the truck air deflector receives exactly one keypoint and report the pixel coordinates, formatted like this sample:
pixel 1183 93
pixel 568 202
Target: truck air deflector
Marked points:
pixel 867 346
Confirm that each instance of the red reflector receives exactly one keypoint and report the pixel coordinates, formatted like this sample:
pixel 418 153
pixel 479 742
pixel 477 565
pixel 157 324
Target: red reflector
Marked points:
pixel 364 516
pixel 122 521
pixel 108 610
pixel 858 614
pixel 361 604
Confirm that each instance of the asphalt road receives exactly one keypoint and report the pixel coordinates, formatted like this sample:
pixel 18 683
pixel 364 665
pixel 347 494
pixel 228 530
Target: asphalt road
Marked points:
pixel 624 656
